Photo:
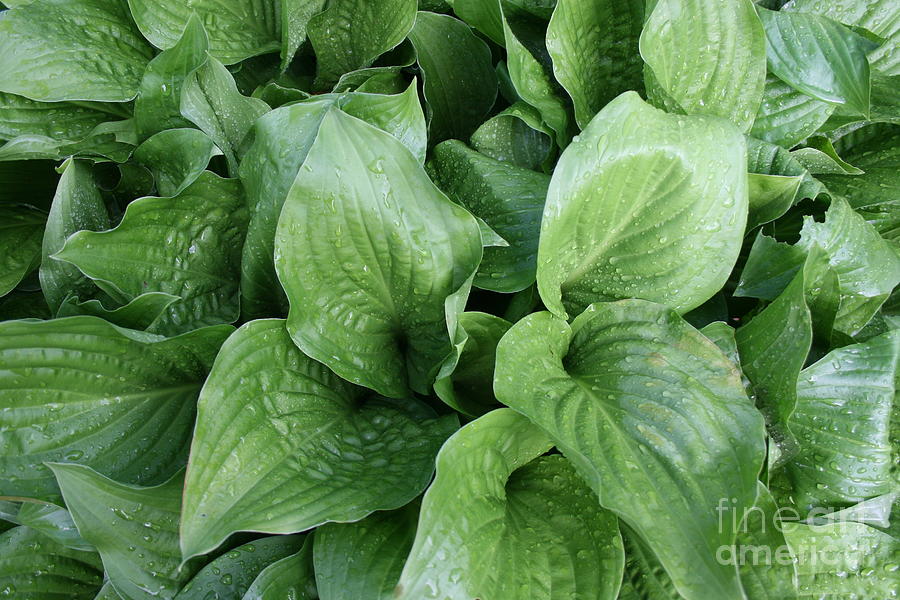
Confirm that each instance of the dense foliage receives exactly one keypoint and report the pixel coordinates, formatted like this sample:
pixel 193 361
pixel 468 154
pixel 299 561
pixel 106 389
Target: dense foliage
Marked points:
pixel 449 299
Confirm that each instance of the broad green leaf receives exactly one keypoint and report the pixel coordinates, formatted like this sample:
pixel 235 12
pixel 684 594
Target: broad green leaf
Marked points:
pixel 82 390
pixel 291 577
pixel 398 114
pixel 770 159
pixel 594 47
pixel 819 57
pixel 467 387
pixel 140 314
pixel 176 158
pixel 690 201
pixel 842 422
pixel 298 446
pixel 516 136
pixel 158 104
pixel 770 267
pixel 77 205
pixel 210 99
pixel 844 560
pixel 773 348
pixel 770 197
pixel 108 592
pixel 820 158
pixel 351 34
pixel 295 16
pixel 483 15
pixel 103 144
pixel 531 73
pixel 722 335
pixel 135 529
pixel 34 566
pixel 460 84
pixel 500 521
pixel 508 198
pixel 58 120
pixel 709 57
pixel 56 50
pixel 237 29
pixel 21 230
pixel 363 560
pixel 232 574
pixel 188 246
pixel 54 522
pixel 787 117
pixel 368 250
pixel 645 407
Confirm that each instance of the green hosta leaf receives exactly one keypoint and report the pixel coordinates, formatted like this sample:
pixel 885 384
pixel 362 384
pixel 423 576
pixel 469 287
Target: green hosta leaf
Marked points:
pixel 819 57
pixel 56 50
pixel 232 574
pixel 135 529
pixel 842 422
pixel 770 197
pixel 295 17
pixel 599 216
pixel 210 99
pixel 398 114
pixel 844 560
pixel 508 198
pixel 516 136
pixel 140 314
pixel 629 410
pixel 773 347
pixel 21 230
pixel 594 46
pixel 460 83
pixel 787 117
pixel 237 29
pixel 769 159
pixel 58 120
pixel 176 158
pixel 291 577
pixel 708 57
pixel 363 560
pixel 368 250
pixel 105 143
pixel 531 73
pixel 467 387
pixel 34 566
pixel 298 446
pixel 351 34
pixel 188 246
pixel 79 389
pixel 158 105
pixel 77 205
pixel 108 592
pixel 820 158
pixel 770 267
pixel 646 576
pixel 500 522
pixel 54 522
pixel 483 15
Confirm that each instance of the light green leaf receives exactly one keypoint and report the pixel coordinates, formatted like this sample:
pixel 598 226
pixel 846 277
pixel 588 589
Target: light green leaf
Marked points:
pixel 237 29
pixel 295 17
pixel 140 314
pixel 516 136
pixel 842 422
pixel 351 34
pixel 291 577
pixel 105 143
pixel 770 197
pixel 769 159
pixel 483 15
pixel 135 529
pixel 708 57
pixel 158 105
pixel 500 522
pixel 58 120
pixel 297 447
pixel 188 246
pixel 363 560
pixel 77 205
pixel 34 566
pixel 56 50
pixel 770 267
pixel 108 592
pixel 691 201
pixel 508 198
pixel 594 47
pixel 398 114
pixel 21 230
pixel 232 574
pixel 460 84
pixel 820 158
pixel 368 250
pixel 645 407
pixel 210 99
pixel 176 158
pixel 787 117
pixel 82 390
pixel 54 522
pixel 819 57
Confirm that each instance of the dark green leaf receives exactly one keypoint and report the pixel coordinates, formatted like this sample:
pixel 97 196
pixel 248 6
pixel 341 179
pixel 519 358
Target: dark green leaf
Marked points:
pixel 21 230
pixel 176 157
